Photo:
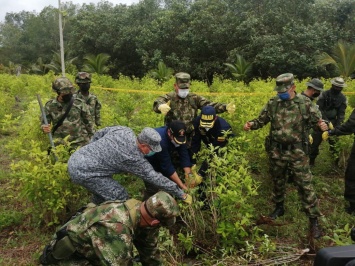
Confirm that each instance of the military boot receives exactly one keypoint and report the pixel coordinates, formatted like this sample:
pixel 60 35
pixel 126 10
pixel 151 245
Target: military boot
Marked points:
pixel 279 210
pixel 351 208
pixel 315 229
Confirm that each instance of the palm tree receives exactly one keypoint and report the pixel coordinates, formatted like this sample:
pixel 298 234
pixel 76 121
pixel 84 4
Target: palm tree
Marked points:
pixel 162 74
pixel 96 64
pixel 342 57
pixel 39 67
pixel 56 66
pixel 241 69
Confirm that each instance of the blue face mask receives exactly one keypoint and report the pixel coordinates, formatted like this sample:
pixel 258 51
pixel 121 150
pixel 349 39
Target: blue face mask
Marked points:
pixel 151 153
pixel 284 96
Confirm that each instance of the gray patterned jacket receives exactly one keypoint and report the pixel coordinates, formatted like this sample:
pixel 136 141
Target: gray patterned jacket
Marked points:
pixel 113 150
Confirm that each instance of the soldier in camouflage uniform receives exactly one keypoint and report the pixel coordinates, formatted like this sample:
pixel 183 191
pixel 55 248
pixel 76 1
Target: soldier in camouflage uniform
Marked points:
pixel 77 124
pixel 83 80
pixel 314 89
pixel 291 116
pixel 183 105
pixel 332 103
pixel 105 234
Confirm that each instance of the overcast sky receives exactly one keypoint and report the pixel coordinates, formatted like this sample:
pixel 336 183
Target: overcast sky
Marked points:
pixel 16 6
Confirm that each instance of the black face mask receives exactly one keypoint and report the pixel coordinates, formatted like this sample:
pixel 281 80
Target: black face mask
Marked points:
pixel 316 94
pixel 67 97
pixel 84 86
pixel 335 91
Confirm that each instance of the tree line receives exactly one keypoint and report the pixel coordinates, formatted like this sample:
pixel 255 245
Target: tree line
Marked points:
pixel 202 37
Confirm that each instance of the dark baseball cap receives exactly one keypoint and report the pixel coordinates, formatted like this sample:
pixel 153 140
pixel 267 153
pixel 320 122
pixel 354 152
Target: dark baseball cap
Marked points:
pixel 178 129
pixel 208 116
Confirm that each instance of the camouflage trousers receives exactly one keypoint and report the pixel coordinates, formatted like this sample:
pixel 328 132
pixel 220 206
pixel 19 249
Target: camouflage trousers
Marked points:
pixel 298 162
pixel 84 249
pixel 146 243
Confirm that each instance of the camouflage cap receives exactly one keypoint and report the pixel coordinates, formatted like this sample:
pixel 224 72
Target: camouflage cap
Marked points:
pixel 338 82
pixel 150 137
pixel 283 81
pixel 315 84
pixel 83 77
pixel 163 207
pixel 63 85
pixel 183 80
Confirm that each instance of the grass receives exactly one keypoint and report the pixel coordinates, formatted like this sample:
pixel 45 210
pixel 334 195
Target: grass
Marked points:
pixel 22 239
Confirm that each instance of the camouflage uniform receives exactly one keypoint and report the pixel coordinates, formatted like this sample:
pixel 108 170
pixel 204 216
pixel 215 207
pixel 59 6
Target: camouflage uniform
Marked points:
pixel 105 234
pixel 78 123
pixel 332 103
pixel 185 109
pixel 287 146
pixel 91 100
pixel 114 150
pixel 93 104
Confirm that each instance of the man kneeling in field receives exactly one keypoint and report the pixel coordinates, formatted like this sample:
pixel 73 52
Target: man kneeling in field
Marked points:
pixel 104 234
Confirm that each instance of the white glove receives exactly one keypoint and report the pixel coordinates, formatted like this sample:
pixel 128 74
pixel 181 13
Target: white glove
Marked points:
pixel 164 108
pixel 230 108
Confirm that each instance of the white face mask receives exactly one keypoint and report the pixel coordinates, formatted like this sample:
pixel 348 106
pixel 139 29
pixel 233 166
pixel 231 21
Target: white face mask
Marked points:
pixel 207 128
pixel 175 144
pixel 183 93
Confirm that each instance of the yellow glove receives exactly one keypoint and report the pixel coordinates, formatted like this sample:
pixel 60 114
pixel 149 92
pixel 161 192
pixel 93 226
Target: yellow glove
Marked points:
pixel 330 125
pixel 230 108
pixel 187 199
pixel 193 179
pixel 325 135
pixel 190 180
pixel 164 108
pixel 193 169
pixel 310 139
pixel 198 178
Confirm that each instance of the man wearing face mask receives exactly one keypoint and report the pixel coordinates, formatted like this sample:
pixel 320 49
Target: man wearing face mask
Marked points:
pixel 291 116
pixel 105 234
pixel 183 105
pixel 209 129
pixel 83 80
pixel 332 104
pixel 67 115
pixel 314 89
pixel 115 150
pixel 173 144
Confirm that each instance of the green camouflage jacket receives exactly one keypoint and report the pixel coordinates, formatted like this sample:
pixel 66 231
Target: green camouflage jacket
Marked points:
pixel 185 109
pixel 94 106
pixel 104 234
pixel 290 120
pixel 78 123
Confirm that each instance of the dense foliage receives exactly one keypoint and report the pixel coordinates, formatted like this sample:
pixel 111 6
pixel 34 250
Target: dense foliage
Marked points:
pixel 239 184
pixel 195 36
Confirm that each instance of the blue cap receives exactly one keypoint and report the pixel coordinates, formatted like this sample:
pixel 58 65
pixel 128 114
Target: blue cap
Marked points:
pixel 208 116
